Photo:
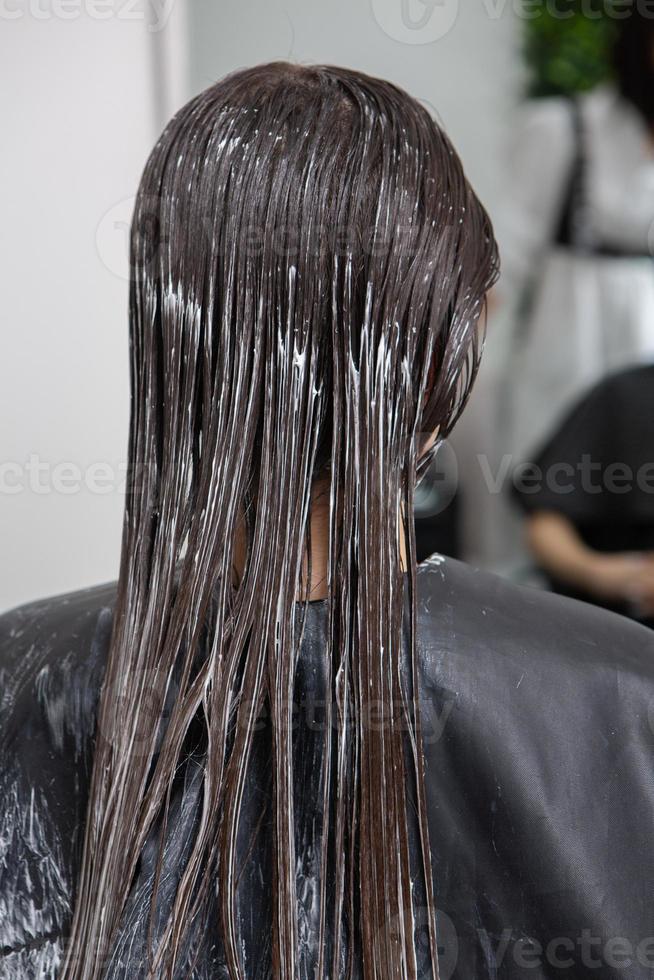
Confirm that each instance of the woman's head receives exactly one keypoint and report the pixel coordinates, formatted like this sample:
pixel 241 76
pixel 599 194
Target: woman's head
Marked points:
pixel 326 201
pixel 309 266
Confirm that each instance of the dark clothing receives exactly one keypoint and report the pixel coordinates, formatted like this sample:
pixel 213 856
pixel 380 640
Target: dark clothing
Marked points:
pixel 598 469
pixel 537 715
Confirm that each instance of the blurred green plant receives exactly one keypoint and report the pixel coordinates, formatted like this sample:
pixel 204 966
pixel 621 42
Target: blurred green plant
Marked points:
pixel 567 45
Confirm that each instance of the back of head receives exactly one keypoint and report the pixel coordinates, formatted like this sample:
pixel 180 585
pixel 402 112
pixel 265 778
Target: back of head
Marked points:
pixel 309 266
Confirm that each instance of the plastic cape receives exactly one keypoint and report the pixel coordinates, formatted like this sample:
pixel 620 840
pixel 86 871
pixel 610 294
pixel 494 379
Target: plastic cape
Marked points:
pixel 539 744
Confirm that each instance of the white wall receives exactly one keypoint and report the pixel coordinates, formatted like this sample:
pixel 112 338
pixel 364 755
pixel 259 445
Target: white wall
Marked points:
pixel 463 61
pixel 81 102
pixel 78 116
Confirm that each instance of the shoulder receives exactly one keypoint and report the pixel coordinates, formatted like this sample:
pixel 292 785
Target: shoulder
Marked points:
pixel 602 409
pixel 52 654
pixel 604 106
pixel 631 378
pixel 548 121
pixel 537 724
pixel 475 615
pixel 54 620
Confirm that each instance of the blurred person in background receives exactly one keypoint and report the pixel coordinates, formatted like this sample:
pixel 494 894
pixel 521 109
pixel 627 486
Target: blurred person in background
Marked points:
pixel 579 258
pixel 576 298
pixel 589 497
pixel 577 241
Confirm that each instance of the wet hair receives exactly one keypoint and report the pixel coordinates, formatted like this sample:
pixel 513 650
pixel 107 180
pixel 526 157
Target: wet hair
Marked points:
pixel 633 61
pixel 309 270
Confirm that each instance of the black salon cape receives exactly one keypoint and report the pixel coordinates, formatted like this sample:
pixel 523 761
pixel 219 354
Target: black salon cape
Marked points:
pixel 538 714
pixel 597 469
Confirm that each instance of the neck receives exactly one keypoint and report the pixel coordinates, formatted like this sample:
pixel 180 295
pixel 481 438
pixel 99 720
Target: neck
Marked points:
pixel 319 538
pixel 320 541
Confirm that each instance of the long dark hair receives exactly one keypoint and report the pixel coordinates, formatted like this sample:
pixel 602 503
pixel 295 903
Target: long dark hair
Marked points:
pixel 309 271
pixel 633 61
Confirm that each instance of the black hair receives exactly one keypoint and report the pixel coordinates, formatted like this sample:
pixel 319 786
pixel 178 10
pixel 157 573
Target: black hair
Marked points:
pixel 633 60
